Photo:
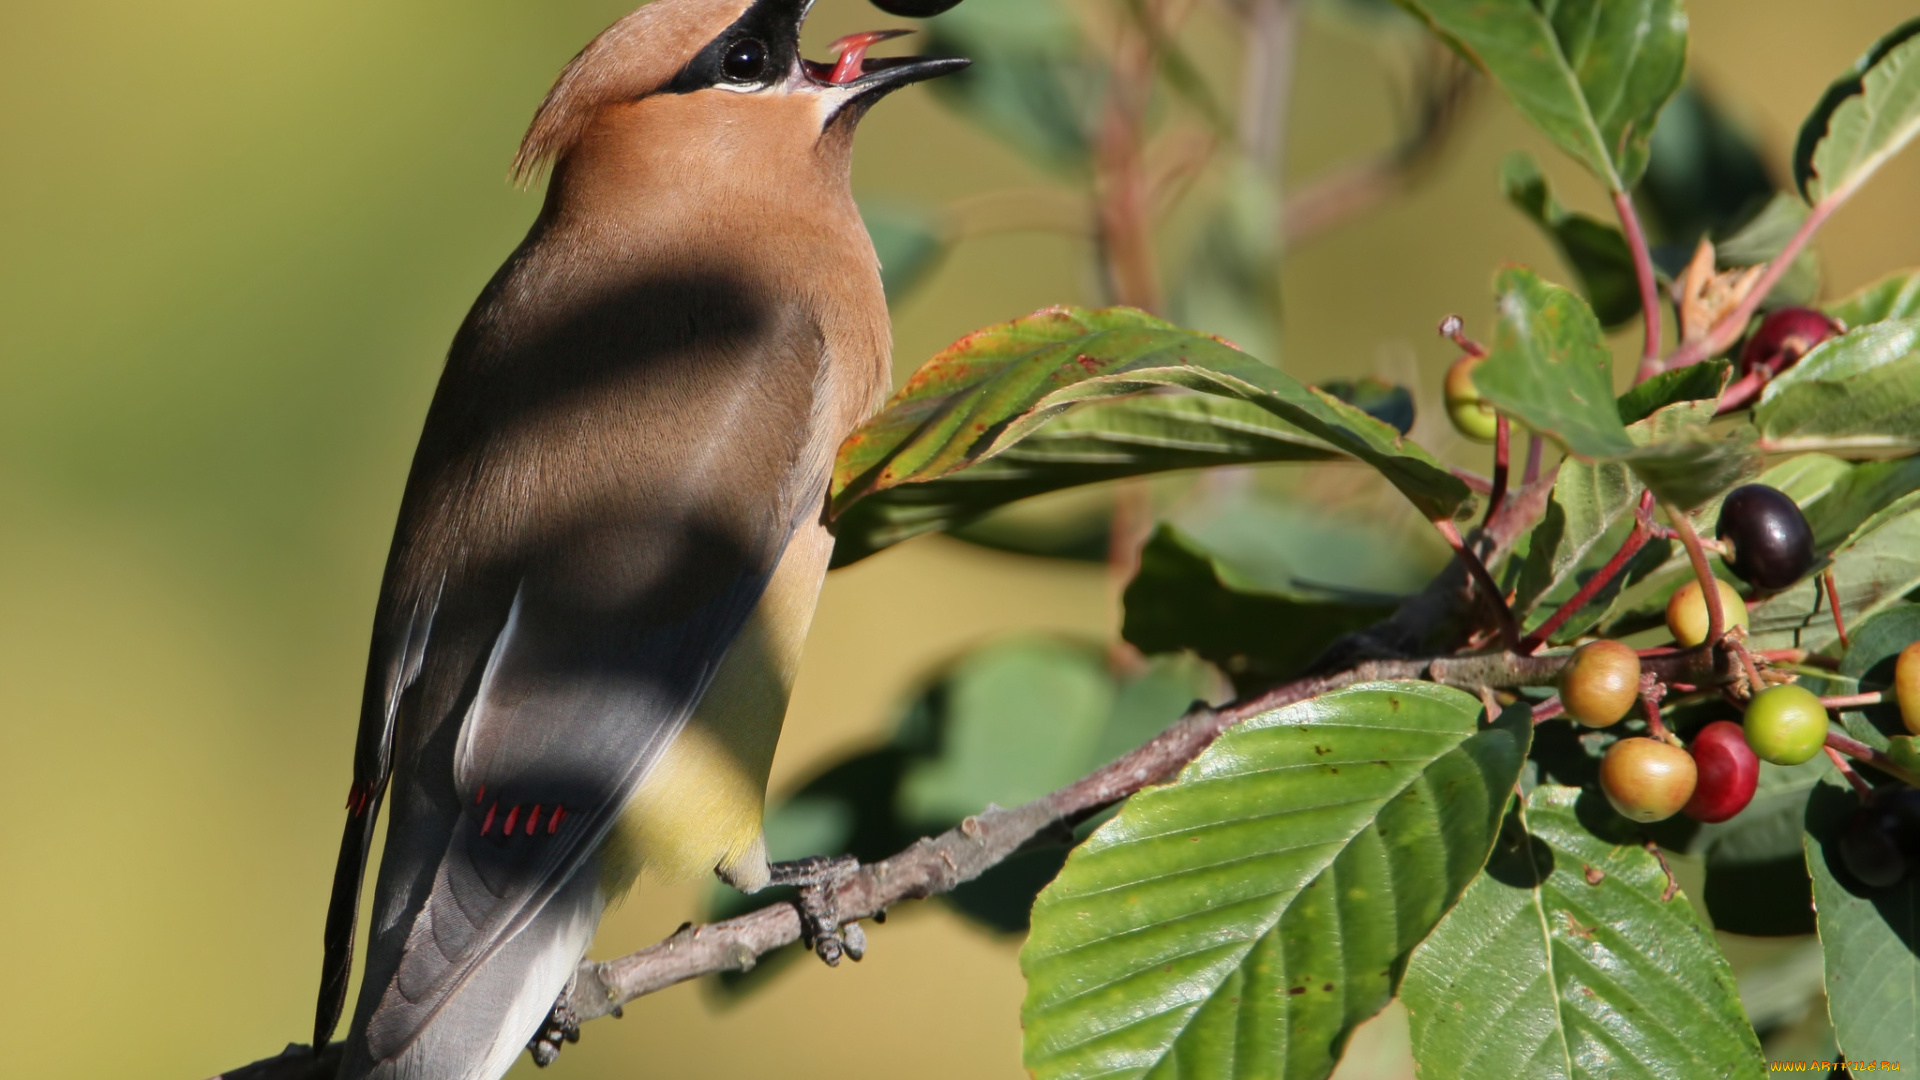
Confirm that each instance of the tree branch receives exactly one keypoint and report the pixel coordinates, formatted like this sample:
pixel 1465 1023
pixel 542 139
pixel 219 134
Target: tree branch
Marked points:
pixel 940 864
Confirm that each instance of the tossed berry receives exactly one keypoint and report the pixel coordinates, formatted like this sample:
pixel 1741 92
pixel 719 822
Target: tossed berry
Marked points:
pixel 1600 683
pixel 1647 780
pixel 1872 846
pixel 1687 612
pixel 1471 413
pixel 1784 337
pixel 1906 686
pixel 1768 542
pixel 1786 724
pixel 914 9
pixel 1729 772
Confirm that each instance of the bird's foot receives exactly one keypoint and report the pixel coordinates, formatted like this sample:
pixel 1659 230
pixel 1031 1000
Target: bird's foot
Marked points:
pixel 560 1027
pixel 819 879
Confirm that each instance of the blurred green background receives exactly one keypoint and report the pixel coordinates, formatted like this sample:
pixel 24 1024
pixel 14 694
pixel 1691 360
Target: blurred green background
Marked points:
pixel 238 237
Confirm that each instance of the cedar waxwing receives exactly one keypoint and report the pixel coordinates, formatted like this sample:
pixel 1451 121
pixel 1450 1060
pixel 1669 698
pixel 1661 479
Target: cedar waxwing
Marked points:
pixel 612 537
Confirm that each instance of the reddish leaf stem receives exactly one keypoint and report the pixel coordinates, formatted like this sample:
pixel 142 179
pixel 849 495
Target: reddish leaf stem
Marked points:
pixel 1502 451
pixel 1853 701
pixel 1860 786
pixel 1649 286
pixel 1636 540
pixel 1833 601
pixel 1729 328
pixel 1860 751
pixel 1709 585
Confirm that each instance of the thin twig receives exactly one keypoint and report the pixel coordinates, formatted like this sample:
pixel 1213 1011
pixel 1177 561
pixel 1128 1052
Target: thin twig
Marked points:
pixel 1853 701
pixel 1483 578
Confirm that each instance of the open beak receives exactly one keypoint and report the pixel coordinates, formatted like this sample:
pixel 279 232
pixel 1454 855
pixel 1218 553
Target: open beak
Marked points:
pixel 870 77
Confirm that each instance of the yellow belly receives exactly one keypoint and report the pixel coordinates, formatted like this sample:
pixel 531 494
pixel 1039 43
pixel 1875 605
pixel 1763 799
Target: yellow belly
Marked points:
pixel 701 806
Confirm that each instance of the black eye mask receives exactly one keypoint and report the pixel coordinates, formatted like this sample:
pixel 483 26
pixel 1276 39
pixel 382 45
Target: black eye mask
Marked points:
pixel 915 9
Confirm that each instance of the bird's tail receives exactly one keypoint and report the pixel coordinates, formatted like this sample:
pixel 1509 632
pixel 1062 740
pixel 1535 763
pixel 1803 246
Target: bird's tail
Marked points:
pixel 486 1023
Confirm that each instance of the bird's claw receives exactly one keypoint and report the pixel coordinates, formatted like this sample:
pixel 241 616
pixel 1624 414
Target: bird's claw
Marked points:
pixel 819 879
pixel 560 1027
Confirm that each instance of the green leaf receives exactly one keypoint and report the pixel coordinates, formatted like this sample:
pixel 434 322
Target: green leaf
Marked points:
pixel 1853 393
pixel 1242 920
pixel 1185 597
pixel 1550 369
pixel 1706 174
pixel 1896 296
pixel 1133 436
pixel 1695 382
pixel 1563 961
pixel 909 241
pixel 1764 238
pixel 1594 249
pixel 1873 569
pixel 1034 81
pixel 1868 936
pixel 996 387
pixel 1592 76
pixel 1841 138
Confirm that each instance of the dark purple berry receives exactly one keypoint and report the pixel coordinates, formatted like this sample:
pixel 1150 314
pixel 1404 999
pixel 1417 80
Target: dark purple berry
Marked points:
pixel 1784 337
pixel 1872 847
pixel 1768 542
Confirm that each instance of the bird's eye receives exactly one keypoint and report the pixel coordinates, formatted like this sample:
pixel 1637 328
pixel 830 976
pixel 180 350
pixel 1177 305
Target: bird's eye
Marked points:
pixel 746 60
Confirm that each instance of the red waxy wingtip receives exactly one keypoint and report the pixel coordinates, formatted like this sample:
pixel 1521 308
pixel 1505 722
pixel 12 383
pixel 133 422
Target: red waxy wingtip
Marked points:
pixel 533 819
pixel 488 823
pixel 513 815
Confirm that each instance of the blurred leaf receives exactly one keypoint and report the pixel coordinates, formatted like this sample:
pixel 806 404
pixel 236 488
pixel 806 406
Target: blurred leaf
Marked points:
pixel 1862 119
pixel 1694 467
pixel 1231 286
pixel 1291 543
pixel 1705 174
pixel 994 388
pixel 1594 249
pixel 1562 960
pixel 1868 665
pixel 1856 392
pixel 1756 871
pixel 909 241
pixel 1550 369
pixel 1022 717
pixel 1765 237
pixel 1184 597
pixel 1896 296
pixel 1869 937
pixel 1034 81
pixel 1378 398
pixel 1243 919
pixel 1873 569
pixel 1591 76
pixel 1695 382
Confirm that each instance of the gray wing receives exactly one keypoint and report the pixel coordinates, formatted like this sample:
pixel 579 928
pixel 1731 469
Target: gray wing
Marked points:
pixel 572 710
pixel 602 499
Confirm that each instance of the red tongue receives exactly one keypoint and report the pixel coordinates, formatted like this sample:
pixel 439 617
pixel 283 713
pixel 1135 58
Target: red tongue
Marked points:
pixel 853 53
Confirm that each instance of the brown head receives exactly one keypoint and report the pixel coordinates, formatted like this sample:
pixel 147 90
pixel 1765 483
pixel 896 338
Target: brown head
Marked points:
pixel 734 61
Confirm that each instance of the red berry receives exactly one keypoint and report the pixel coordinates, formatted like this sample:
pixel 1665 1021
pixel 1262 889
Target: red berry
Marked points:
pixel 1784 337
pixel 1729 771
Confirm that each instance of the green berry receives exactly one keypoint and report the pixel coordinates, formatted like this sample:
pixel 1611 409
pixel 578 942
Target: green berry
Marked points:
pixel 1786 725
pixel 1601 683
pixel 1469 410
